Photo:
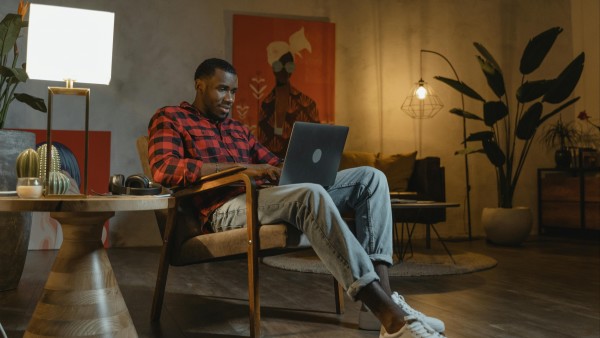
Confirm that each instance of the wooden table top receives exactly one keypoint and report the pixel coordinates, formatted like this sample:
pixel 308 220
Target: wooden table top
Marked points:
pixel 82 203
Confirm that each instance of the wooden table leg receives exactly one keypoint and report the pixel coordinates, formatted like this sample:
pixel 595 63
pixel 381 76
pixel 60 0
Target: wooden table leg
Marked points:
pixel 81 296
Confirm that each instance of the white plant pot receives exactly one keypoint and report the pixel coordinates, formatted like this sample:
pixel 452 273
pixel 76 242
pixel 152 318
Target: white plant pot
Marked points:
pixel 507 226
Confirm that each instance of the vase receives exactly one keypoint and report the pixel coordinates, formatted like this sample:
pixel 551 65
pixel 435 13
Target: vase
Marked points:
pixel 15 227
pixel 562 158
pixel 507 226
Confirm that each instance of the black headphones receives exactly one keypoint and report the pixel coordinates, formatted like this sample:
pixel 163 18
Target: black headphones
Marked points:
pixel 134 185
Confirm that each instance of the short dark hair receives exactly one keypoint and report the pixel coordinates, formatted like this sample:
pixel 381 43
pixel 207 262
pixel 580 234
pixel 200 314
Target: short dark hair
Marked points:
pixel 207 68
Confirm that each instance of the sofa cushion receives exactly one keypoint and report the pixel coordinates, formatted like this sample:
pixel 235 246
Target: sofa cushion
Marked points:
pixel 353 159
pixel 398 169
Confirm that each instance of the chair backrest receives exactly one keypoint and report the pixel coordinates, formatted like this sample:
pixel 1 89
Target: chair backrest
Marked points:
pixel 142 148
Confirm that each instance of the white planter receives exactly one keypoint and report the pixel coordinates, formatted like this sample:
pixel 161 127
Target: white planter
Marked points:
pixel 507 226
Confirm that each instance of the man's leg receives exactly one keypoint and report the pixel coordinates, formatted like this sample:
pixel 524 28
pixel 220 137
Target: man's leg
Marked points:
pixel 309 208
pixel 365 191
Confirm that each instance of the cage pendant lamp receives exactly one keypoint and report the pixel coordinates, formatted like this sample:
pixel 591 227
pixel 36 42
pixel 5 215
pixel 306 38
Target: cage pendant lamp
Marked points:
pixel 421 102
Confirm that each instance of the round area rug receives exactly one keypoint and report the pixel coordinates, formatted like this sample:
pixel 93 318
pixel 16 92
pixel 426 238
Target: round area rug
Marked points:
pixel 431 263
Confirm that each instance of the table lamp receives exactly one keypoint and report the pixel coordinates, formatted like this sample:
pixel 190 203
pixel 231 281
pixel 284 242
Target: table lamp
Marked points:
pixel 69 44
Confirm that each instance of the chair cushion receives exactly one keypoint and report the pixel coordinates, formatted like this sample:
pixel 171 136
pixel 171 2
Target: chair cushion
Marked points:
pixel 208 247
pixel 398 169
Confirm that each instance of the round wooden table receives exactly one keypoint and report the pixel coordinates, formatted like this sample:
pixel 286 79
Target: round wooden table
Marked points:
pixel 81 296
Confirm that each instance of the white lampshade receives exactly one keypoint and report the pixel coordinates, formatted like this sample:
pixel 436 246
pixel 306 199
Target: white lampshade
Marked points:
pixel 69 44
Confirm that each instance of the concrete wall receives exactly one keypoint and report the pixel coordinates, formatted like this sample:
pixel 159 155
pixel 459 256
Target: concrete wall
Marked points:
pixel 158 44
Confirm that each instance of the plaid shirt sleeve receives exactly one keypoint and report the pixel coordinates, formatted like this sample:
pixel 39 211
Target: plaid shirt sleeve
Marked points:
pixel 166 151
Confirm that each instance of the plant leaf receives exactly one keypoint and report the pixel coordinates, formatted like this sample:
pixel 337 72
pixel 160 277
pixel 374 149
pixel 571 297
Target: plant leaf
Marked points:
pixel 529 121
pixel 558 110
pixel 536 50
pixel 493 152
pixel 461 87
pixel 465 114
pixel 20 74
pixel 487 56
pixel 10 27
pixel 533 90
pixel 480 136
pixel 494 111
pixel 565 83
pixel 493 76
pixel 7 72
pixel 32 101
pixel 468 151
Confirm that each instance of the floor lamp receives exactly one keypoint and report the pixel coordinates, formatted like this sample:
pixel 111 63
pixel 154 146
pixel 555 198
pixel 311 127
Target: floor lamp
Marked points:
pixel 422 103
pixel 69 44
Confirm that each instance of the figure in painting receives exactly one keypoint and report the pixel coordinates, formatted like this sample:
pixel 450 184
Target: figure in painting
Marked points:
pixel 285 104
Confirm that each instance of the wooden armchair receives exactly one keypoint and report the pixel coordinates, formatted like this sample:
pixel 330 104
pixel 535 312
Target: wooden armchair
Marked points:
pixel 184 245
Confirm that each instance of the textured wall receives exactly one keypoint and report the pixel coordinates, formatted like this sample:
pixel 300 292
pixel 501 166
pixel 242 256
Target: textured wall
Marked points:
pixel 158 44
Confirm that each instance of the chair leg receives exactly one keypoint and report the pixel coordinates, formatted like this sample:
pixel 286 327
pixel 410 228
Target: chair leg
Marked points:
pixel 253 274
pixel 163 268
pixel 338 290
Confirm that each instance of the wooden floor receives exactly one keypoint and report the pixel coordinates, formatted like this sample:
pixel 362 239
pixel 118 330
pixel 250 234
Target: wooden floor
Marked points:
pixel 550 287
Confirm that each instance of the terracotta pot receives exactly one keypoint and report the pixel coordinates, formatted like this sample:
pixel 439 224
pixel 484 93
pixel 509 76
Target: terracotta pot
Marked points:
pixel 15 227
pixel 507 226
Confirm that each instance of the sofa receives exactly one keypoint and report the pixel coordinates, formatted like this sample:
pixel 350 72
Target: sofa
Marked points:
pixel 409 178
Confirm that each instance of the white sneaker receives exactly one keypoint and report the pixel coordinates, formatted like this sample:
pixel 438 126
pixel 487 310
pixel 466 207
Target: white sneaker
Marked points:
pixel 413 328
pixel 367 320
pixel 434 323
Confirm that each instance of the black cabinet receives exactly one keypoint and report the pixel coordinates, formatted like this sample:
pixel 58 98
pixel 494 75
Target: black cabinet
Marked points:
pixel 569 200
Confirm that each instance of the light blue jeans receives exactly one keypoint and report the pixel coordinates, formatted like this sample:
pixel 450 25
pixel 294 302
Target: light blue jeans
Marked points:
pixel 346 251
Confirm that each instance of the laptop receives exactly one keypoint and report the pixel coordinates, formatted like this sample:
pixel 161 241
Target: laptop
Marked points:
pixel 313 154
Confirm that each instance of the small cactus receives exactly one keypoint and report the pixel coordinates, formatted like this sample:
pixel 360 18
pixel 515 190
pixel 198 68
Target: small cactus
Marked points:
pixel 28 163
pixel 54 160
pixel 59 183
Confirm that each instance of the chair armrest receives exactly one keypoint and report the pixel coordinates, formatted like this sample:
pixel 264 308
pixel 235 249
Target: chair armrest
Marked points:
pixel 211 181
pixel 227 177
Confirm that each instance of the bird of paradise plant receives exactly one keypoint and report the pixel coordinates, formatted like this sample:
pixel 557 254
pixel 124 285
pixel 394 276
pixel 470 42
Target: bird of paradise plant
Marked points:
pixel 11 75
pixel 509 133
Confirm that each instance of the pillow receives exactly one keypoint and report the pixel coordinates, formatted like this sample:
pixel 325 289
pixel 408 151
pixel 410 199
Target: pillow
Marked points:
pixel 397 168
pixel 353 159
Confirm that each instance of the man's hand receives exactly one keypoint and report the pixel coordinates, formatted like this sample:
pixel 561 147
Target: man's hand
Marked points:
pixel 264 171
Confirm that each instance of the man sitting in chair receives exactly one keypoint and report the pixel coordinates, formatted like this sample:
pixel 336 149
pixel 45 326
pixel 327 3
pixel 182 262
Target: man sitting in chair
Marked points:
pixel 192 140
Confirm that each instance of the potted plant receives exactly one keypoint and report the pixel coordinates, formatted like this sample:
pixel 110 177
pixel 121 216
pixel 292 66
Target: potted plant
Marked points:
pixel 561 136
pixel 14 227
pixel 511 126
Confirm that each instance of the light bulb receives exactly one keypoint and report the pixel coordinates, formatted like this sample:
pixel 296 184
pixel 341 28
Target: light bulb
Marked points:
pixel 421 93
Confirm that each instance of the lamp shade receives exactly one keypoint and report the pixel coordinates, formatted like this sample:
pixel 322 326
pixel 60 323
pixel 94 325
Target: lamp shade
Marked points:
pixel 421 102
pixel 69 44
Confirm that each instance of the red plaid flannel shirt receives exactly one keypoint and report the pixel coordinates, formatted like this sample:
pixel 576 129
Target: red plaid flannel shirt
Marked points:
pixel 181 139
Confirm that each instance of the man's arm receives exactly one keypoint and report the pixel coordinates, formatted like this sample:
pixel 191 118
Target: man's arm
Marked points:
pixel 166 154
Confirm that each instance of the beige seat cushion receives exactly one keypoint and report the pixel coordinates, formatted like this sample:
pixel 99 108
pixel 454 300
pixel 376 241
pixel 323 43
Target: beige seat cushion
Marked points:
pixel 398 169
pixel 234 242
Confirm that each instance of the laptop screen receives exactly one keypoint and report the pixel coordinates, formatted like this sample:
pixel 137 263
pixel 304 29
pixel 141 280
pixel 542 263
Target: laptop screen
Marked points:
pixel 313 154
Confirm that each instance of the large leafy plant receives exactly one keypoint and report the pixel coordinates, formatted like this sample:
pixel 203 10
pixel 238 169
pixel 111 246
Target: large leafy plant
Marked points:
pixel 11 75
pixel 510 130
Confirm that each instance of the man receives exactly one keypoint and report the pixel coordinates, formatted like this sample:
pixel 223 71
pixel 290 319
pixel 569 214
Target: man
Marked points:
pixel 192 140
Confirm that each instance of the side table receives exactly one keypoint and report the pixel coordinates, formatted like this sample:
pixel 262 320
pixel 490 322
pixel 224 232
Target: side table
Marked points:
pixel 81 297
pixel 421 208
